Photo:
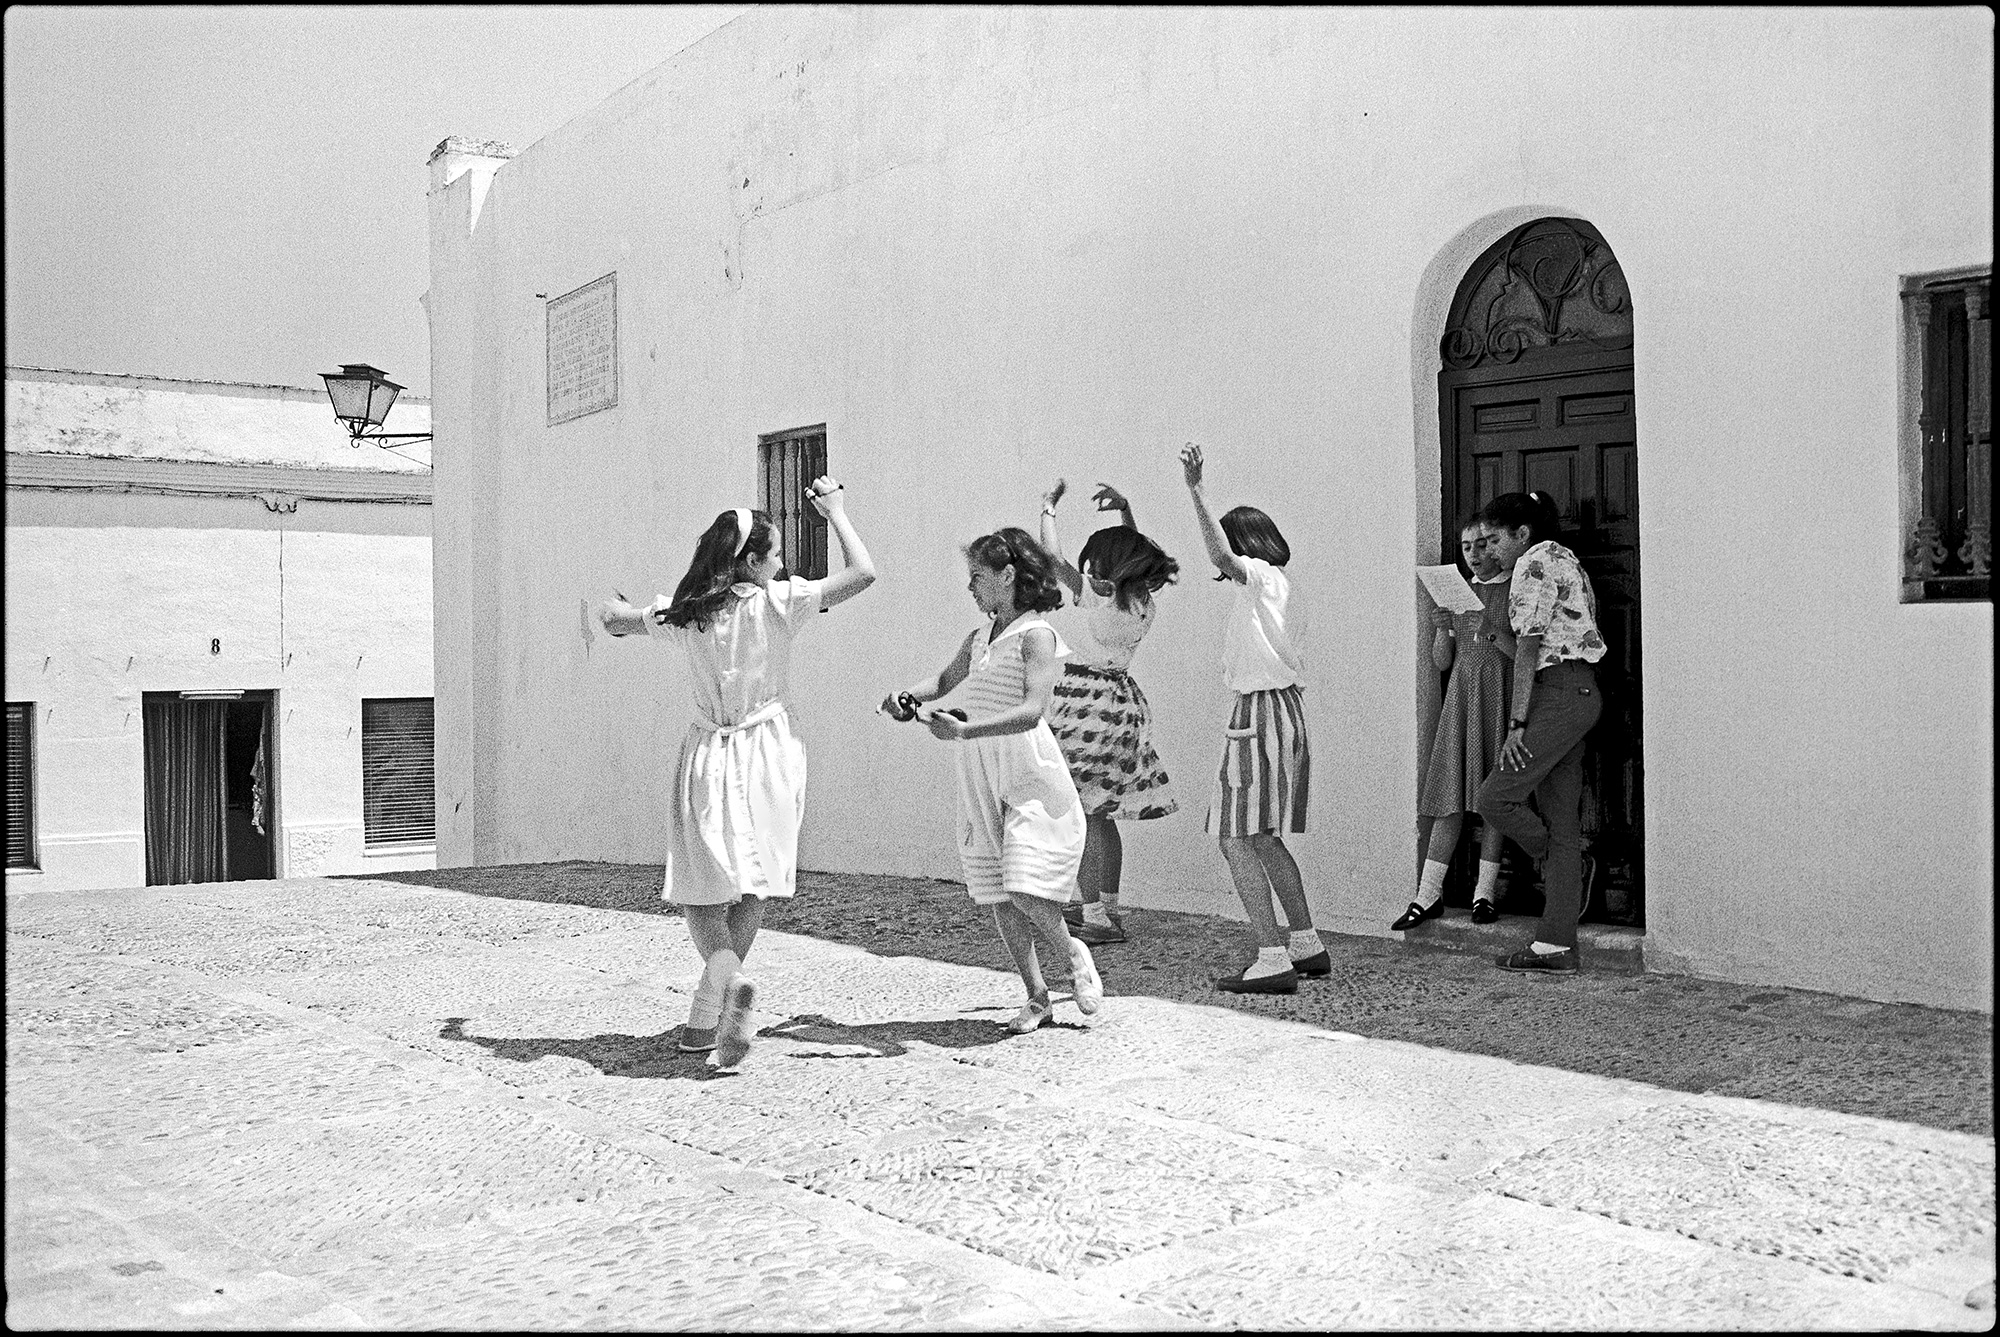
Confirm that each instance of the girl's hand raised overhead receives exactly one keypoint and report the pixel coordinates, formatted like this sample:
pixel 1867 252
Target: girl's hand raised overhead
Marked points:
pixel 1191 464
pixel 824 493
pixel 1054 495
pixel 1109 498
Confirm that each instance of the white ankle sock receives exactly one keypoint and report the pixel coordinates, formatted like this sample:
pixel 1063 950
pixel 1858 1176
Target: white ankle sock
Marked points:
pixel 1430 885
pixel 1545 948
pixel 1489 882
pixel 1095 913
pixel 1304 943
pixel 1109 900
pixel 1270 961
pixel 706 1007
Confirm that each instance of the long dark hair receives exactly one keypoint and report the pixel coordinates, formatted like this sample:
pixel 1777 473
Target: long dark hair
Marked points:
pixel 1036 589
pixel 1134 564
pixel 716 566
pixel 1536 510
pixel 1251 533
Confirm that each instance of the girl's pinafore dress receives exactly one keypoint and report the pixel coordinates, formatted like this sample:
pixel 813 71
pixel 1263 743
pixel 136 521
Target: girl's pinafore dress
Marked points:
pixel 1020 825
pixel 1472 724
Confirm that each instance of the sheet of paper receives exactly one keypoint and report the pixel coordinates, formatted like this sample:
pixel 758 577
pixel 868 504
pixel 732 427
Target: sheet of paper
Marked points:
pixel 1448 589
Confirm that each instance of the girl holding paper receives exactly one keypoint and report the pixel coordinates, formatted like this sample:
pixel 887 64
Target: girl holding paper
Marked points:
pixel 1478 650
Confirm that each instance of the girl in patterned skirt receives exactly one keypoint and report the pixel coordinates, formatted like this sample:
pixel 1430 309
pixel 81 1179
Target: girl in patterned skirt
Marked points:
pixel 1101 719
pixel 1478 649
pixel 1020 825
pixel 1266 766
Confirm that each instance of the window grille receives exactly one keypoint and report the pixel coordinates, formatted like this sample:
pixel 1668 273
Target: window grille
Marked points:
pixel 786 463
pixel 398 800
pixel 21 785
pixel 1948 548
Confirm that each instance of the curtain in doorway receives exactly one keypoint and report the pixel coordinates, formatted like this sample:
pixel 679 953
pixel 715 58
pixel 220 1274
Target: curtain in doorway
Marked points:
pixel 185 791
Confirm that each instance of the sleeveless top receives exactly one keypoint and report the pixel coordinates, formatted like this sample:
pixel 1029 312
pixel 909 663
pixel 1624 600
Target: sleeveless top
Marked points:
pixel 1107 635
pixel 996 676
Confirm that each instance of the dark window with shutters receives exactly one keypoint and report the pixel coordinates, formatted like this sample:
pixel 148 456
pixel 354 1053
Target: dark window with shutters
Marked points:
pixel 21 785
pixel 398 802
pixel 1948 550
pixel 786 463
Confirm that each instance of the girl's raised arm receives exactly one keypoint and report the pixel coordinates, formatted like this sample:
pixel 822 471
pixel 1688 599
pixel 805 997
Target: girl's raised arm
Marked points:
pixel 859 572
pixel 1227 562
pixel 1071 578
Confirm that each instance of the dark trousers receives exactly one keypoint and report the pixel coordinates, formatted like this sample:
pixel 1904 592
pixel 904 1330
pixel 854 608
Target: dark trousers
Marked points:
pixel 1564 707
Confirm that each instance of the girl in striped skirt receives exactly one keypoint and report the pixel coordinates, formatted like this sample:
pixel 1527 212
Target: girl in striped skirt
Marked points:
pixel 1101 720
pixel 1020 824
pixel 1262 786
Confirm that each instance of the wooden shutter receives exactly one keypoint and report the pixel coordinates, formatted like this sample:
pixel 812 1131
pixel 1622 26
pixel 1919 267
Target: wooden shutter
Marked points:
pixel 786 463
pixel 21 785
pixel 398 795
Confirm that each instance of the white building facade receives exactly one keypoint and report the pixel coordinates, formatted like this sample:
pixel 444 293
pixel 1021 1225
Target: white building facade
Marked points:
pixel 218 619
pixel 957 252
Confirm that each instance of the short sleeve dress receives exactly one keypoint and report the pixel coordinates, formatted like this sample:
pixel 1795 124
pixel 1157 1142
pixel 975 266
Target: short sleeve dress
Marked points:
pixel 739 787
pixel 1472 724
pixel 1020 824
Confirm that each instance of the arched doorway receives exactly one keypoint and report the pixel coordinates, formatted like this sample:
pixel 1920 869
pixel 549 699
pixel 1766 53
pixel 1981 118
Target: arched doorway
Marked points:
pixel 1535 394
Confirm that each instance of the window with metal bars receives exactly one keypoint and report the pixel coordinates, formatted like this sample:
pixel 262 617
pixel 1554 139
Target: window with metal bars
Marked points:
pixel 1948 540
pixel 21 785
pixel 786 463
pixel 398 802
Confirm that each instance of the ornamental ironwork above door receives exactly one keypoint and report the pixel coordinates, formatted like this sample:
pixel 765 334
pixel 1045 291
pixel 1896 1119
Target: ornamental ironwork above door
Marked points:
pixel 1548 284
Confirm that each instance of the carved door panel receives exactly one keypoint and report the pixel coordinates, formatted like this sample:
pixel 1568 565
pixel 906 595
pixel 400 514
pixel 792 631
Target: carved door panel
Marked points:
pixel 1542 400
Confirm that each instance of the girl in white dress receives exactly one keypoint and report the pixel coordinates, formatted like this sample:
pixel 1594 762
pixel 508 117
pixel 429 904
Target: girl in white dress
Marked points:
pixel 1020 824
pixel 740 783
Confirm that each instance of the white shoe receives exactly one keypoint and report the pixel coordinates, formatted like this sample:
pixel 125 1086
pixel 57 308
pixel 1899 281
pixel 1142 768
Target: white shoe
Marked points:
pixel 732 1031
pixel 1030 1017
pixel 1083 979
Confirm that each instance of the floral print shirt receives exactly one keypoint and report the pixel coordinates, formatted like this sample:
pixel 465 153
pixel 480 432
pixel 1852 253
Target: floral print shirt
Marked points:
pixel 1551 598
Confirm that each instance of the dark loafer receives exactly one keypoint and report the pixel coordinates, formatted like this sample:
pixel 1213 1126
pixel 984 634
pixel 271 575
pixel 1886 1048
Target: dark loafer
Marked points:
pixel 1285 981
pixel 1483 911
pixel 1543 963
pixel 1073 912
pixel 1315 967
pixel 1096 935
pixel 1416 915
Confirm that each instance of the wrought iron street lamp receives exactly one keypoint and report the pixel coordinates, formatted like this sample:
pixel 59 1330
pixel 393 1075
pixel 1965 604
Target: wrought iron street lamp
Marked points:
pixel 361 397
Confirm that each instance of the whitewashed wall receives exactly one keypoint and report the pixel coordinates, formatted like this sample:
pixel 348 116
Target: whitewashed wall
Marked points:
pixel 110 595
pixel 987 247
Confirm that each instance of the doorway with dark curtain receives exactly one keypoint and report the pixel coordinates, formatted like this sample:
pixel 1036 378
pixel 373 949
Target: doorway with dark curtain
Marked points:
pixel 209 810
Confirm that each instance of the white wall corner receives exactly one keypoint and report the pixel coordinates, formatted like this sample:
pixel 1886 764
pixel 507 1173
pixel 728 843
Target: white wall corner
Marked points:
pixel 477 160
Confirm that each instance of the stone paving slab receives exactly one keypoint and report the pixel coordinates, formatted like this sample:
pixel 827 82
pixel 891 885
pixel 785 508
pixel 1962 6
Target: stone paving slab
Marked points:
pixel 358 1104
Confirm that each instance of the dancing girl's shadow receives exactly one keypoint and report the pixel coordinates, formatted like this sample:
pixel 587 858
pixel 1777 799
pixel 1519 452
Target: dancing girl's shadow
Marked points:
pixel 613 1055
pixel 891 1039
pixel 660 1056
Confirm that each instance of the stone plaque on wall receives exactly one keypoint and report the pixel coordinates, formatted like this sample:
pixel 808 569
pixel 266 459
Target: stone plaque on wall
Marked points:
pixel 583 350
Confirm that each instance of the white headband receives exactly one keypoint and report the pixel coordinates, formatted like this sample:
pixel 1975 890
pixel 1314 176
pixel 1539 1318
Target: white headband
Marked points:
pixel 743 524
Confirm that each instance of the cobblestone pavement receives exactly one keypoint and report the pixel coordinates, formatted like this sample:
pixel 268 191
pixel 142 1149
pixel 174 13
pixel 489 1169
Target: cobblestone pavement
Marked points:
pixel 374 1103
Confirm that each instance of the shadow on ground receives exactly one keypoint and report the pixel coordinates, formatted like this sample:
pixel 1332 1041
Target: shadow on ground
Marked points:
pixel 1892 1061
pixel 656 1056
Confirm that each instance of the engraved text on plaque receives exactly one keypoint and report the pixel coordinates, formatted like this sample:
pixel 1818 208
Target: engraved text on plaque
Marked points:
pixel 583 350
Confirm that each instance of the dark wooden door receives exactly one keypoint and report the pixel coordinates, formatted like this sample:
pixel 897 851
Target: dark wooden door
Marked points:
pixel 1542 400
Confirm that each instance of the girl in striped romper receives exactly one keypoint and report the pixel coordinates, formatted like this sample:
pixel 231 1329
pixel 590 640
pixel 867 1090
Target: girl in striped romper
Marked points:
pixel 1262 786
pixel 1020 824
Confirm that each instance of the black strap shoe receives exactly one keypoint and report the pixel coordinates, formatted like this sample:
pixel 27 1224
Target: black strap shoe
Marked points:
pixel 1483 911
pixel 1416 915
